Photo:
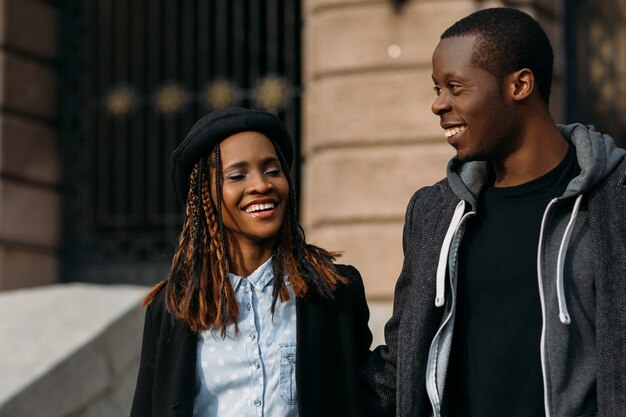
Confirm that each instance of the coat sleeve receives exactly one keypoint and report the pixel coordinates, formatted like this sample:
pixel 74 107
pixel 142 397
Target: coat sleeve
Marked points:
pixel 360 313
pixel 608 229
pixel 378 374
pixel 142 400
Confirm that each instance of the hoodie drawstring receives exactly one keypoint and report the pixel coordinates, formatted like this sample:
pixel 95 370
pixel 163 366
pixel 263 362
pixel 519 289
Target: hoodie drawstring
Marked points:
pixel 442 267
pixel 560 288
pixel 443 254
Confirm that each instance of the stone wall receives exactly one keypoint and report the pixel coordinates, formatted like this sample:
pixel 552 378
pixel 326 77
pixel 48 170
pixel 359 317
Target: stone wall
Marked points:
pixel 369 138
pixel 30 157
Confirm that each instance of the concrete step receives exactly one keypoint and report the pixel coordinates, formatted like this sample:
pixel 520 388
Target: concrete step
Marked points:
pixel 69 350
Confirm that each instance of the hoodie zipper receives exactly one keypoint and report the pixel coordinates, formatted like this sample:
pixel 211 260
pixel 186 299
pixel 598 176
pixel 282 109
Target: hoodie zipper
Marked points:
pixel 450 241
pixel 446 254
pixel 431 369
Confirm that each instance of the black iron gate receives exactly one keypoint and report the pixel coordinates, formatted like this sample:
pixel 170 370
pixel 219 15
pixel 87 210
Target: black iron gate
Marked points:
pixel 596 64
pixel 138 73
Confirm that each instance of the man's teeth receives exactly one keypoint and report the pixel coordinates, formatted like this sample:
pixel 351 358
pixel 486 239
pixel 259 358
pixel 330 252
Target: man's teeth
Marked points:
pixel 259 207
pixel 454 131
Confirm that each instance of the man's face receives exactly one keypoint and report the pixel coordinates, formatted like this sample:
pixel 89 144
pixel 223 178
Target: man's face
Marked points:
pixel 475 115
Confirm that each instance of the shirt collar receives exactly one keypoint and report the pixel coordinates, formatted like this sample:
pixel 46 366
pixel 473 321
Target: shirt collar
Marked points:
pixel 259 279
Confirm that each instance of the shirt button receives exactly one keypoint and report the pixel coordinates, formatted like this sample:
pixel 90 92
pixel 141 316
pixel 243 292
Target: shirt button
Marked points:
pixel 252 337
pixel 248 306
pixel 257 365
pixel 257 403
pixel 244 282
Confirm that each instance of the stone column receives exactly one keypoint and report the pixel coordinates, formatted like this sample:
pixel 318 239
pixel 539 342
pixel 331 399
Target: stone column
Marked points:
pixel 369 138
pixel 30 170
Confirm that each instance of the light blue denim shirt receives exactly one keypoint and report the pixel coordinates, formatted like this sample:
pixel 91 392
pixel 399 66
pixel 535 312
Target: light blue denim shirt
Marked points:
pixel 253 373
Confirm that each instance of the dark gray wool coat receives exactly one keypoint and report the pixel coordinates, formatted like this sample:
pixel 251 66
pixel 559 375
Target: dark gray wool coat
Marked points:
pixel 584 357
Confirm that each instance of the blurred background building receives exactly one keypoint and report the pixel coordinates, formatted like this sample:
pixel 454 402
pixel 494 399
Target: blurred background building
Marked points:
pixel 95 94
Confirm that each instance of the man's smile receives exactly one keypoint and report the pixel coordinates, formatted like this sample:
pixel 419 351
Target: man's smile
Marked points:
pixel 454 131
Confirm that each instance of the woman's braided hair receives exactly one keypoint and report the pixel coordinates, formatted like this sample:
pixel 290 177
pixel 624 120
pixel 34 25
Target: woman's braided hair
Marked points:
pixel 198 289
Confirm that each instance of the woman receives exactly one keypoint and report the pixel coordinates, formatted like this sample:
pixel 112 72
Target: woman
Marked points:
pixel 252 320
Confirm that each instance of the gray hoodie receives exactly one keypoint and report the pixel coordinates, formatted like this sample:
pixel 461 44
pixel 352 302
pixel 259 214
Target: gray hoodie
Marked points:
pixel 581 272
pixel 565 276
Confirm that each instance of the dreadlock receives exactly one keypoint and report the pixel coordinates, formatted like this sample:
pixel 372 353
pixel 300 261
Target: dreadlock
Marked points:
pixel 198 290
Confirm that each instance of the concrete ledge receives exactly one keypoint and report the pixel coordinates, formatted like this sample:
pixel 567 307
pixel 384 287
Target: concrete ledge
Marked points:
pixel 69 349
pixel 72 350
pixel 380 313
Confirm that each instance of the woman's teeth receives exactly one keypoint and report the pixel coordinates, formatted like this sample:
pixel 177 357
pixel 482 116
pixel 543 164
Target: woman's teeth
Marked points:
pixel 454 131
pixel 259 207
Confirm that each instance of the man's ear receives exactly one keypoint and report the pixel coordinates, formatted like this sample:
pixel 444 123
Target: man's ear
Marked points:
pixel 521 84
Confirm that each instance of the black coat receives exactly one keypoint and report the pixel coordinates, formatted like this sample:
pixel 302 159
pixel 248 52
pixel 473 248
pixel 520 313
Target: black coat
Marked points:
pixel 333 340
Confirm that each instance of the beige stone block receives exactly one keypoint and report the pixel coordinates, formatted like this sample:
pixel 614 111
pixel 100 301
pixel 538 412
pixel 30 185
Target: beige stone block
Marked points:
pixel 375 249
pixel 31 26
pixel 29 150
pixel 30 214
pixel 20 269
pixel 376 108
pixel 551 7
pixel 376 37
pixel 486 4
pixel 313 6
pixel 28 86
pixel 368 184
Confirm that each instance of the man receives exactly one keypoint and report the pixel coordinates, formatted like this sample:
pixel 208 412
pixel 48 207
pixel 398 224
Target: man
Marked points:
pixel 511 300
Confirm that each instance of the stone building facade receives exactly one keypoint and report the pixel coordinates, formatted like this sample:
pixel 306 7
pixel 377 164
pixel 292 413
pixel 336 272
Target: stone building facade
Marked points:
pixel 30 143
pixel 369 139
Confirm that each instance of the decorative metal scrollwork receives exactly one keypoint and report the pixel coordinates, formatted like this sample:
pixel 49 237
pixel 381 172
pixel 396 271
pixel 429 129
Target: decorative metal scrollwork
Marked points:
pixel 170 98
pixel 220 93
pixel 121 100
pixel 271 92
pixel 601 65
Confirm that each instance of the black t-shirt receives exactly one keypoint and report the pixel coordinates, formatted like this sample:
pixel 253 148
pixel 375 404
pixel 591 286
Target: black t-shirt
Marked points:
pixel 495 364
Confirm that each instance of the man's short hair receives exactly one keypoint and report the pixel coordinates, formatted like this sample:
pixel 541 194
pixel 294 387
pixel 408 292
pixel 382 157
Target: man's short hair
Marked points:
pixel 508 40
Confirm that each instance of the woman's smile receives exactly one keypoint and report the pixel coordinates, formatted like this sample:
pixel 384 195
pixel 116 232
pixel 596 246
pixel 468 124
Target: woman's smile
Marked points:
pixel 262 209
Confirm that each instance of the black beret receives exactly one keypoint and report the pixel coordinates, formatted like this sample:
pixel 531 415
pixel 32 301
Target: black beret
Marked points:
pixel 216 126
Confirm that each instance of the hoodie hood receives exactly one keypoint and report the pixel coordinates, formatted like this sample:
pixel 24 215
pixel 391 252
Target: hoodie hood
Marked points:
pixel 597 156
pixel 596 153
